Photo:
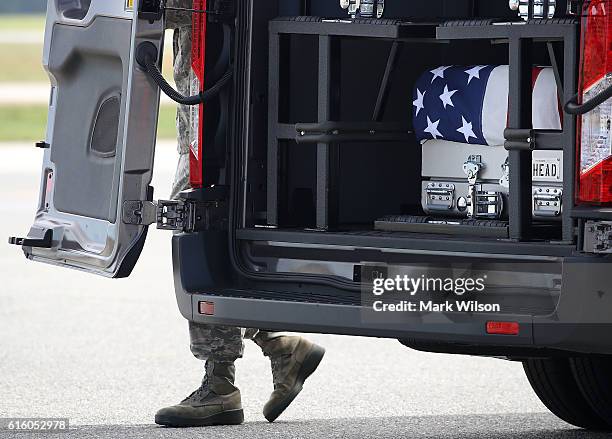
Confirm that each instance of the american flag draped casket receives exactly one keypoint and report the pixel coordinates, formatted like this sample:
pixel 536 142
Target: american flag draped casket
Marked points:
pixel 469 104
pixel 459 115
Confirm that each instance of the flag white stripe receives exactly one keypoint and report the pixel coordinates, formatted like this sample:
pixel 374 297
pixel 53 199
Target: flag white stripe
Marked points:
pixel 495 106
pixel 545 105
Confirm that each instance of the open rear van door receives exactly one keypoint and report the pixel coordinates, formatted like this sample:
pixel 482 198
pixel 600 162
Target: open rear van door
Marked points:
pixel 98 154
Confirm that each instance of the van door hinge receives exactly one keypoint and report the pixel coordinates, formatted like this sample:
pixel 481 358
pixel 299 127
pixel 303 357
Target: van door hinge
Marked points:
pixel 177 215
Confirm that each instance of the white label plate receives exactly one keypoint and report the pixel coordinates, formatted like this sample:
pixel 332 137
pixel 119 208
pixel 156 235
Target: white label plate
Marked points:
pixel 546 169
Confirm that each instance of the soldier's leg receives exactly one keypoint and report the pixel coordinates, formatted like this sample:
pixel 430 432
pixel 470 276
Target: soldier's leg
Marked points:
pixel 181 176
pixel 293 360
pixel 216 343
pixel 217 400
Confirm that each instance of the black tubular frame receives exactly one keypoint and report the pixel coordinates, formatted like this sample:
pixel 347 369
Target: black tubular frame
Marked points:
pixel 559 34
pixel 326 139
pixel 520 38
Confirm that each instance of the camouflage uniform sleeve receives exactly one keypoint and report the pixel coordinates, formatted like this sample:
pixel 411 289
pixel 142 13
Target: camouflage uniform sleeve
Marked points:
pixel 178 19
pixel 183 77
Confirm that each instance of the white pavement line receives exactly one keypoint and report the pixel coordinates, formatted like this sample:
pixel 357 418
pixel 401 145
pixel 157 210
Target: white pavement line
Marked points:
pixel 28 93
pixel 22 158
pixel 23 93
pixel 38 37
pixel 21 37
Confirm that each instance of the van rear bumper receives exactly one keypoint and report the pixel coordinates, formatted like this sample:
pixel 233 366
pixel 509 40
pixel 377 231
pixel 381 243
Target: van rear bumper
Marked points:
pixel 535 334
pixel 580 324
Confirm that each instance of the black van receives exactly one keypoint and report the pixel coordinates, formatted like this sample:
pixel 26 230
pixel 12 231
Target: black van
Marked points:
pixel 328 192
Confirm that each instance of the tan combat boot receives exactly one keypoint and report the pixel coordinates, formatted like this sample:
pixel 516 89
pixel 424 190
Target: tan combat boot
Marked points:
pixel 215 402
pixel 293 360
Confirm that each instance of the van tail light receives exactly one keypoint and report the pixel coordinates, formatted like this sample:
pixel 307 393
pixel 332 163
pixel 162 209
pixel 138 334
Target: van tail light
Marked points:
pixel 198 63
pixel 595 157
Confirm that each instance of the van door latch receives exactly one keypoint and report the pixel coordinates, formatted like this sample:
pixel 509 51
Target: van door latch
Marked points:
pixel 38 238
pixel 480 203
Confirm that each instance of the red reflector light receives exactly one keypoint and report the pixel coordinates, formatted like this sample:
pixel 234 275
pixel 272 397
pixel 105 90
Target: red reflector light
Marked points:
pixel 594 162
pixel 207 308
pixel 198 64
pixel 503 328
pixel 596 183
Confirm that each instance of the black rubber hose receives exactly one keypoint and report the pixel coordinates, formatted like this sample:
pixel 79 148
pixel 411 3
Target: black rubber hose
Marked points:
pixel 146 57
pixel 573 107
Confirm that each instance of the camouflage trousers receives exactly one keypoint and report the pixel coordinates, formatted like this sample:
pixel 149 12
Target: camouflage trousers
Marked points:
pixel 211 342
pixel 221 343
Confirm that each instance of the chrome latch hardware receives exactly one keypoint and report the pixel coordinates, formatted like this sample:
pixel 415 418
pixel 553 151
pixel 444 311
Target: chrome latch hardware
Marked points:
pixel 472 168
pixel 504 181
pixel 547 201
pixel 440 196
pixel 480 203
pixel 489 205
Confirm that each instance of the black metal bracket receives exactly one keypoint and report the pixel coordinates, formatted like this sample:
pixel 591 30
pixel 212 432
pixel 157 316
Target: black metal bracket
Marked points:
pixel 327 134
pixel 385 85
pixel 42 145
pixel 45 242
pixel 342 132
pixel 519 139
pixel 151 10
pixel 557 69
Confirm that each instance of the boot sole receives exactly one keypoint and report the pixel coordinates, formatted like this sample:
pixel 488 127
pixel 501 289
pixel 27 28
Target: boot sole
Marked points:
pixel 310 364
pixel 228 417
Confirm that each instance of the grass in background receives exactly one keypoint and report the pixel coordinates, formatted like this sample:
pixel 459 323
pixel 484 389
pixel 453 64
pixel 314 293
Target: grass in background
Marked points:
pixel 28 123
pixel 22 123
pixel 166 128
pixel 22 63
pixel 25 22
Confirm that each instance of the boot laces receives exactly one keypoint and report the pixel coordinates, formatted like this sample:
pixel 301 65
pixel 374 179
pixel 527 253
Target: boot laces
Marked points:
pixel 200 393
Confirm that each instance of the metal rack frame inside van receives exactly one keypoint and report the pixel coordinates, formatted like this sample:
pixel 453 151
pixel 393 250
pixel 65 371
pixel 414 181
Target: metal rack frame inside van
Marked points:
pixel 561 39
